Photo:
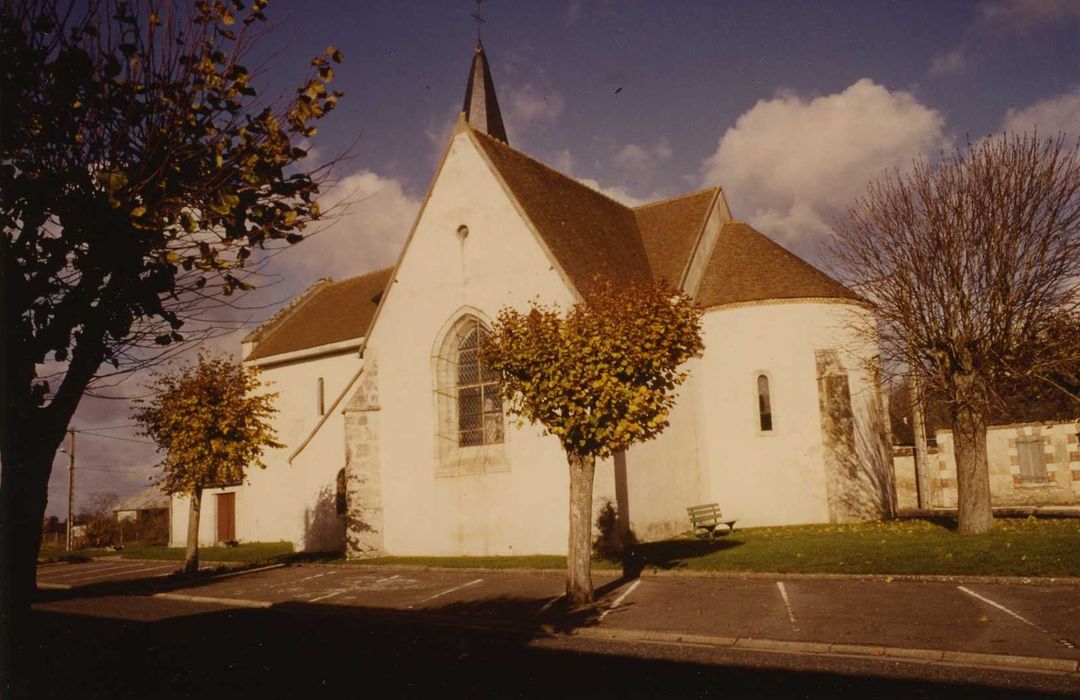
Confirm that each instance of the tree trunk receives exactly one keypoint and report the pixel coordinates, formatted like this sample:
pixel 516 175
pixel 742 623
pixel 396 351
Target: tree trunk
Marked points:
pixel 972 470
pixel 191 560
pixel 579 588
pixel 23 493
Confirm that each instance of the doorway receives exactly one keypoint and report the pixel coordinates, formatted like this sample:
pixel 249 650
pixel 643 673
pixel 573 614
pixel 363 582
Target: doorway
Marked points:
pixel 226 517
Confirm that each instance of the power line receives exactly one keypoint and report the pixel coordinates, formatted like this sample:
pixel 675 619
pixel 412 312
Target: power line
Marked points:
pixel 118 471
pixel 115 437
pixel 112 427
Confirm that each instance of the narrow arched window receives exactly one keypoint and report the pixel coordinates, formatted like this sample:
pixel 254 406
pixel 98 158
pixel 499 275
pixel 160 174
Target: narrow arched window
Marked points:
pixel 469 404
pixel 340 499
pixel 765 421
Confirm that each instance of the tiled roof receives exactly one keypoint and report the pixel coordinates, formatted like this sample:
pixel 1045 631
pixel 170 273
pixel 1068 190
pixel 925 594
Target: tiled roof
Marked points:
pixel 747 266
pixel 333 313
pixel 589 234
pixel 152 498
pixel 670 229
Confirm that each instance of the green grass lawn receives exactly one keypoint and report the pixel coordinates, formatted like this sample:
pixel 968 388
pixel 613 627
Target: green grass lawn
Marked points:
pixel 250 552
pixel 1013 548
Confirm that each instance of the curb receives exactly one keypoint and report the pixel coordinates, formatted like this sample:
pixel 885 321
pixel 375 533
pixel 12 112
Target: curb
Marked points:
pixel 879 578
pixel 232 602
pixel 956 658
pixel 772 576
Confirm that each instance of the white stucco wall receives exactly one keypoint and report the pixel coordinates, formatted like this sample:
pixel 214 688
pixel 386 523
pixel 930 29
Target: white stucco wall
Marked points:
pixel 289 502
pixel 778 477
pixel 523 508
pixel 665 475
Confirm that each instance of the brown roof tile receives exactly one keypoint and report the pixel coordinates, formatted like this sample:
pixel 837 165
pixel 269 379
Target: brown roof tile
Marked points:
pixel 589 234
pixel 748 266
pixel 335 312
pixel 670 230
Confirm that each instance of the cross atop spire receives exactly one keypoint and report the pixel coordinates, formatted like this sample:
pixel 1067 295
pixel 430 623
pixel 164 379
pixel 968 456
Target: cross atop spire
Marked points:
pixel 479 19
pixel 481 107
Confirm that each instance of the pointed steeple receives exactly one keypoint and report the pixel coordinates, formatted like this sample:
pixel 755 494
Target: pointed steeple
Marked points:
pixel 481 106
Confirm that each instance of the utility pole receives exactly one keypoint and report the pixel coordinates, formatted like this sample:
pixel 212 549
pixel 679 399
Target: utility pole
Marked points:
pixel 71 493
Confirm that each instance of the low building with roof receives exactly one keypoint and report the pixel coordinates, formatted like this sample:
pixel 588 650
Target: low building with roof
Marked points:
pixel 150 502
pixel 397 441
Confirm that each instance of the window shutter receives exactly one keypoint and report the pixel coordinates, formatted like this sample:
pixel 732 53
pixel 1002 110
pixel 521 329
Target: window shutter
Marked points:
pixel 1032 461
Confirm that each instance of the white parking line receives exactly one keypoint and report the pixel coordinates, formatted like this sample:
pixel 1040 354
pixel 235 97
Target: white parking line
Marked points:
pixel 1063 642
pixel 551 602
pixel 112 568
pixel 76 569
pixel 787 604
pixel 80 582
pixel 621 598
pixel 449 590
pixel 309 578
pixel 339 591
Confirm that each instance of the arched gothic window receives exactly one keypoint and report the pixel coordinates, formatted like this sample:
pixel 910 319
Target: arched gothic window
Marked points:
pixel 470 409
pixel 764 404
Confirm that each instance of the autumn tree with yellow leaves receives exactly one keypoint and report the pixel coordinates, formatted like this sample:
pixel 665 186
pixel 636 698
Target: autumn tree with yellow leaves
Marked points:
pixel 212 423
pixel 600 377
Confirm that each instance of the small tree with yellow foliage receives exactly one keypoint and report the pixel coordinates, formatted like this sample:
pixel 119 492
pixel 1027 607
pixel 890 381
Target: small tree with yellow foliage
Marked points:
pixel 600 378
pixel 211 423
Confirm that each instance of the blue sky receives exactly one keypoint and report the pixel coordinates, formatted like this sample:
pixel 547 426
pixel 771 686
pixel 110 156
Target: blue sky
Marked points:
pixel 791 106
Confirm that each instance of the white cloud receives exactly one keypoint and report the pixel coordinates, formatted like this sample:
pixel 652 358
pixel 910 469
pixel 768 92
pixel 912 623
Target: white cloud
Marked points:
pixel 367 217
pixel 998 19
pixel 1050 116
pixel 619 194
pixel 563 161
pixel 637 163
pixel 791 163
pixel 952 62
pixel 528 106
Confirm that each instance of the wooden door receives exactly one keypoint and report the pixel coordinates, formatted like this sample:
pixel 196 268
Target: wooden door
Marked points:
pixel 226 517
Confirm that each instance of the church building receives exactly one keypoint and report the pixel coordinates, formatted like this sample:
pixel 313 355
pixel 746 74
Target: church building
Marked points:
pixel 397 442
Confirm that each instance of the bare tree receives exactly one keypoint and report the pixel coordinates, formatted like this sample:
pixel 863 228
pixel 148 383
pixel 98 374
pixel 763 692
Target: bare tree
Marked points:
pixel 974 265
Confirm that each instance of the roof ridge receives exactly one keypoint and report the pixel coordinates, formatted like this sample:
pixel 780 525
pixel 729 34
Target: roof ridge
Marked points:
pixel 544 165
pixel 363 274
pixel 677 196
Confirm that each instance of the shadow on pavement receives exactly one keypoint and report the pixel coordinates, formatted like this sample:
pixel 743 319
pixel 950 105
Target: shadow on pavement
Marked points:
pixel 133 586
pixel 306 650
pixel 670 554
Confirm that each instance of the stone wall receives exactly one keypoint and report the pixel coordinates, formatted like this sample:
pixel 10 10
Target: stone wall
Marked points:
pixel 364 530
pixel 1008 486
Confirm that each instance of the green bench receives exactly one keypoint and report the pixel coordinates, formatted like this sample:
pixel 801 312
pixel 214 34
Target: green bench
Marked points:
pixel 707 517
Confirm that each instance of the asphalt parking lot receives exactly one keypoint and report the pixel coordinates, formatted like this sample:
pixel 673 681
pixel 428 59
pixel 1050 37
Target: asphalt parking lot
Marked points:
pixel 1032 620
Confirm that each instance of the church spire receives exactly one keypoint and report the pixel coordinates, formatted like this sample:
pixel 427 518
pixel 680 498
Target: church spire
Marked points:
pixel 481 106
